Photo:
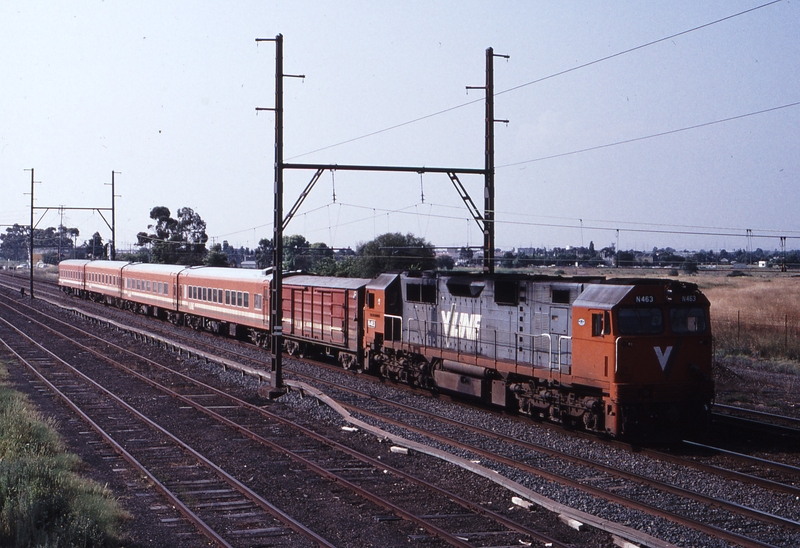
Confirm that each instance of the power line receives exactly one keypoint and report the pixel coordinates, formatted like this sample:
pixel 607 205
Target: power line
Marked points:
pixel 652 136
pixel 538 80
pixel 642 46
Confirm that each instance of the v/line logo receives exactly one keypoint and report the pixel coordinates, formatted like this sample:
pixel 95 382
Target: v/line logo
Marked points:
pixel 461 324
pixel 663 356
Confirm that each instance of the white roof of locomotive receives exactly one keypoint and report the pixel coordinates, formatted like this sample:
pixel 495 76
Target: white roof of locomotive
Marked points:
pixel 602 296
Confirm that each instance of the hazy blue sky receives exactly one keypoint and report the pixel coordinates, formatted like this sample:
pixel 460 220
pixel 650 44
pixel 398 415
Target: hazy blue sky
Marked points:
pixel 165 92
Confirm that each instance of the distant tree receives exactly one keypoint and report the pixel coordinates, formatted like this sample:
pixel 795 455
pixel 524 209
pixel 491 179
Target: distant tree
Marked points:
pixel 15 243
pixel 625 258
pixel 295 252
pixel 508 260
pixel 317 253
pixel 264 253
pixel 445 262
pixel 16 240
pixel 175 241
pixel 689 266
pixel 95 249
pixel 216 257
pixel 392 252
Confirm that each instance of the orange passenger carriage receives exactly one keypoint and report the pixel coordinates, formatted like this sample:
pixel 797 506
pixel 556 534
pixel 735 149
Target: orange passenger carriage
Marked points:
pixel 152 289
pixel 72 275
pixel 231 301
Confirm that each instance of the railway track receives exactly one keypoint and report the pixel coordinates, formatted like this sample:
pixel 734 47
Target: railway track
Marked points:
pixel 419 504
pixel 737 510
pixel 624 486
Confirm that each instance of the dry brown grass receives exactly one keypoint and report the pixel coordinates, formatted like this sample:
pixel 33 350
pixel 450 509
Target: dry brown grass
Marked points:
pixel 757 315
pixel 771 297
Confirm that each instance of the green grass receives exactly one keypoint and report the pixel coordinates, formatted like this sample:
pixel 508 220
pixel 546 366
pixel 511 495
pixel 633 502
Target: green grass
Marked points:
pixel 44 502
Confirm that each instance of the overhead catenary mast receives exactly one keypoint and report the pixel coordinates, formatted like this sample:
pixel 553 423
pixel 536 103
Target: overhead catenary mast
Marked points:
pixel 485 221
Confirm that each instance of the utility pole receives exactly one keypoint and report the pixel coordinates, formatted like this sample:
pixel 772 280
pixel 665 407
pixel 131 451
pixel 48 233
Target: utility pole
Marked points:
pixel 488 185
pixel 276 297
pixel 30 250
pixel 113 254
pixel 60 232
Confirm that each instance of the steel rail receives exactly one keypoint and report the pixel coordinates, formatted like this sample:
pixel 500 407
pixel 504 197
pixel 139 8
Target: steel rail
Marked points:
pixel 431 528
pixel 236 484
pixel 204 528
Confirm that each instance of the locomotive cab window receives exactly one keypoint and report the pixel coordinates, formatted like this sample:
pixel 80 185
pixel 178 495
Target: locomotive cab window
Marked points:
pixel 640 320
pixel 687 320
pixel 601 324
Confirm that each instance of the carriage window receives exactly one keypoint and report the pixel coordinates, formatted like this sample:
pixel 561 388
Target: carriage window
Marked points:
pixel 214 295
pixel 257 301
pixel 687 320
pixel 640 321
pixel 238 298
pixel 227 296
pixel 247 300
pixel 166 289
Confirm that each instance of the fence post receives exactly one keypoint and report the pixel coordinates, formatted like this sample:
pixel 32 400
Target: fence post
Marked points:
pixel 738 325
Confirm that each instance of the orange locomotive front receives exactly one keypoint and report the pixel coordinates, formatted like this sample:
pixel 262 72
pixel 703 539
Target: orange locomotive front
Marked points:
pixel 652 341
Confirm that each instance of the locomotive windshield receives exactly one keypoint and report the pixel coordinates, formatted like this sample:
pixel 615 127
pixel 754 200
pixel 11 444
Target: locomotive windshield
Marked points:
pixel 640 320
pixel 687 319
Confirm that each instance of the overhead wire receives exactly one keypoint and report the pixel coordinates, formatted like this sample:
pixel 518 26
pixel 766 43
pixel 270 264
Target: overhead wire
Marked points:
pixel 542 79
pixel 676 229
pixel 644 137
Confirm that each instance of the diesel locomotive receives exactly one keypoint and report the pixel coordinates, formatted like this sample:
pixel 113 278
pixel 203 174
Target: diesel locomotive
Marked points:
pixel 629 358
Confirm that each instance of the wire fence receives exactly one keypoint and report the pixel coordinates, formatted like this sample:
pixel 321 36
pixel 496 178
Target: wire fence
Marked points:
pixel 758 335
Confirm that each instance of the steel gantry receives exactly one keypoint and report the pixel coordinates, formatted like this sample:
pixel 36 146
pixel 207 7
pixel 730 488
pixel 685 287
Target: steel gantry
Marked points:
pixel 485 221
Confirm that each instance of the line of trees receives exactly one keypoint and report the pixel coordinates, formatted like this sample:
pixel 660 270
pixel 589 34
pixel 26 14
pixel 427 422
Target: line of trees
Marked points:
pixel 54 244
pixel 183 240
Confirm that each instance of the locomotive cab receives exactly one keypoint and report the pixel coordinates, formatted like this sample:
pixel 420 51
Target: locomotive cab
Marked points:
pixel 651 341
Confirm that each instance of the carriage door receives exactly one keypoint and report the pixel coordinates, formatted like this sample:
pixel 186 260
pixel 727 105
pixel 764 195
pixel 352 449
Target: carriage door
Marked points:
pixel 560 343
